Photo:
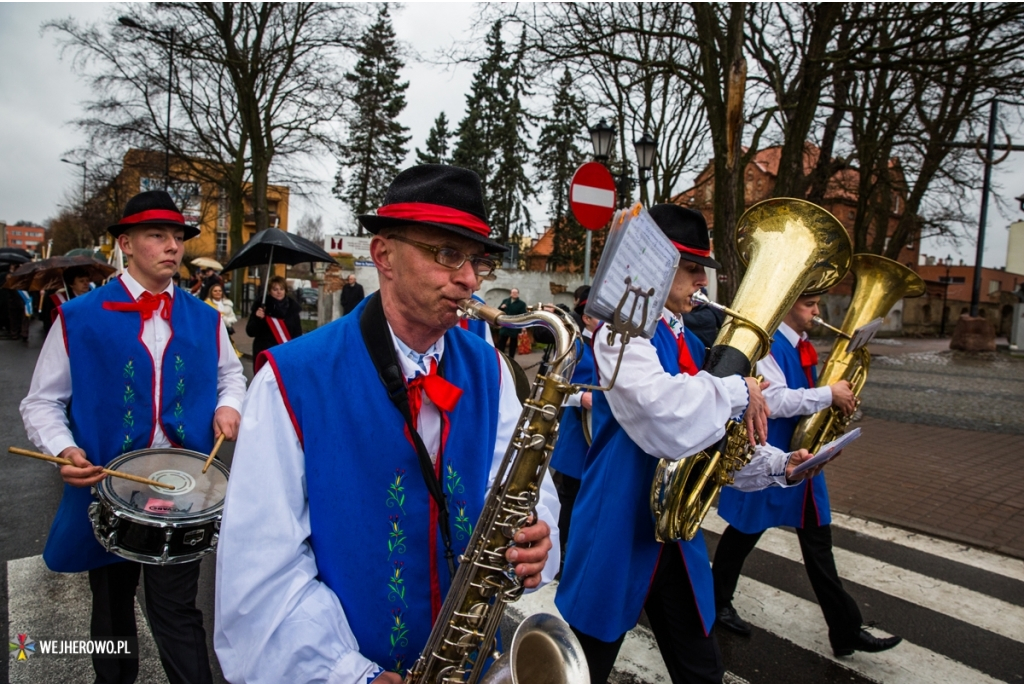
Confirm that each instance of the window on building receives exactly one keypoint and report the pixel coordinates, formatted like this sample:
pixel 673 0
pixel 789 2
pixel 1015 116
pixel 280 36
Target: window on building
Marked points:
pixel 17 242
pixel 222 244
pixel 993 287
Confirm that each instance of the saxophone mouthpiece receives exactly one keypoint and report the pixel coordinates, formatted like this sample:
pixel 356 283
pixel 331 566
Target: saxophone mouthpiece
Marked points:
pixel 838 331
pixel 700 298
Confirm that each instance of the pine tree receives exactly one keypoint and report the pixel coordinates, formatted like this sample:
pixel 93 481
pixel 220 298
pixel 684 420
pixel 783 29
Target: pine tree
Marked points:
pixel 509 187
pixel 376 144
pixel 558 156
pixel 437 143
pixel 474 147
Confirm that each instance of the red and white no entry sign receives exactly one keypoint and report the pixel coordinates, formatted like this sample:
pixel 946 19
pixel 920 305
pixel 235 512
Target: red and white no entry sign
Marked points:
pixel 592 195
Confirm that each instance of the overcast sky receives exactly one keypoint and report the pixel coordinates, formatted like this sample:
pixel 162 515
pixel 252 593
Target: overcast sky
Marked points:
pixel 39 95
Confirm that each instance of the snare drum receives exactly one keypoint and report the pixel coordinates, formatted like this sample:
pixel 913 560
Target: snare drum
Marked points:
pixel 154 525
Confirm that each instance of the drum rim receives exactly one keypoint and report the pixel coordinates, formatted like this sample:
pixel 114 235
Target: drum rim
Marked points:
pixel 104 494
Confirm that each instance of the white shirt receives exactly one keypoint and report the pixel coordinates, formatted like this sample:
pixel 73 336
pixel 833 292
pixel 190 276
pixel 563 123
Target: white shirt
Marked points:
pixel 45 409
pixel 675 416
pixel 784 401
pixel 275 620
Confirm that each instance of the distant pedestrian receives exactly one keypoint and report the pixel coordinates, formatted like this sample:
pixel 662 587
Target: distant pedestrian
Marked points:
pixel 351 294
pixel 275 321
pixel 508 337
pixel 223 305
pixel 212 278
pixel 77 281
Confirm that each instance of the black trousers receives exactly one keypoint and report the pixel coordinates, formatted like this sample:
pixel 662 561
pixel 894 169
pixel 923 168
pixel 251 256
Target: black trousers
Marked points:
pixel 511 342
pixel 568 488
pixel 171 609
pixel 690 655
pixel 840 609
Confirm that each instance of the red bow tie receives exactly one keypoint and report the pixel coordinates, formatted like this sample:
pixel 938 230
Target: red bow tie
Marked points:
pixel 808 359
pixel 686 363
pixel 442 393
pixel 146 305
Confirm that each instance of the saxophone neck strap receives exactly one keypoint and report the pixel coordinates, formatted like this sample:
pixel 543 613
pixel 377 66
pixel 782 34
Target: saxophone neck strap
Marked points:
pixel 377 338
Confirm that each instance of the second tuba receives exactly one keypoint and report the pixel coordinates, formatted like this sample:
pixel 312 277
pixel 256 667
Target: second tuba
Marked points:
pixel 790 247
pixel 880 284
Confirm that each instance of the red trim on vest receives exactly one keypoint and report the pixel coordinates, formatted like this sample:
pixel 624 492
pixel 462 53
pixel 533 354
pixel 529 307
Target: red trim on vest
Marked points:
pixel 64 331
pixel 153 215
pixel 167 306
pixel 279 329
pixel 650 581
pixel 691 250
pixel 696 604
pixel 425 211
pixel 266 356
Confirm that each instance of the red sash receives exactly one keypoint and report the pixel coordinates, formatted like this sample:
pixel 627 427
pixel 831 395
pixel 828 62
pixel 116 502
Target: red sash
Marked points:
pixel 279 330
pixel 686 363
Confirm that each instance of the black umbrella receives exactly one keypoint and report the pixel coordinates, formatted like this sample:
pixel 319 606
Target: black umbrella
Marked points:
pixel 14 255
pixel 272 245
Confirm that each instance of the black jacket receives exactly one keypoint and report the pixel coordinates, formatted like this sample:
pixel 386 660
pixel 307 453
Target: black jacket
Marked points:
pixel 351 296
pixel 259 330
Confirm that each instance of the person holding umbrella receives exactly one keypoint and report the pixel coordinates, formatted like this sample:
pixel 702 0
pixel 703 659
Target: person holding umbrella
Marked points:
pixel 276 321
pixel 136 364
pixel 76 282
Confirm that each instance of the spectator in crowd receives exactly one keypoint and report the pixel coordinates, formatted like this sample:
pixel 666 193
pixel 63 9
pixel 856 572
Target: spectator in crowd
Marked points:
pixel 223 305
pixel 275 321
pixel 212 278
pixel 509 337
pixel 351 294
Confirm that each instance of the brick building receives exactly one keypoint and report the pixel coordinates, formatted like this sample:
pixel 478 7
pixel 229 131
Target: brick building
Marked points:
pixel 949 295
pixel 31 238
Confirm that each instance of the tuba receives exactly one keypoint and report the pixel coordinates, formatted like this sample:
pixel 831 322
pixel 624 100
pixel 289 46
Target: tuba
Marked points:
pixel 880 284
pixel 791 247
pixel 543 649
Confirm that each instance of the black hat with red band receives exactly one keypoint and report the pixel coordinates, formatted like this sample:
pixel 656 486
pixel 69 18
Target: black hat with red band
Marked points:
pixel 153 207
pixel 687 230
pixel 437 195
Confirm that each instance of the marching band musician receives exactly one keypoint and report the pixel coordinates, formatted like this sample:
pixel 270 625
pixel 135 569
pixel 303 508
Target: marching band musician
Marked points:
pixel 661 406
pixel 792 372
pixel 334 557
pixel 136 363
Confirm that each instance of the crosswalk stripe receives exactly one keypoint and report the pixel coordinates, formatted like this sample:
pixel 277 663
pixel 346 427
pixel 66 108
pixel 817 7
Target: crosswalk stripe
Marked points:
pixel 800 621
pixel 63 614
pixel 960 603
pixel 964 554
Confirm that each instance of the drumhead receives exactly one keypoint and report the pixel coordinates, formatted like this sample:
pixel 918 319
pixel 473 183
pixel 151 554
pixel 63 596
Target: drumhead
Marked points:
pixel 195 494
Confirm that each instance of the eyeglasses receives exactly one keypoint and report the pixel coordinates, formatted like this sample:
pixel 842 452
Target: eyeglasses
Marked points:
pixel 452 258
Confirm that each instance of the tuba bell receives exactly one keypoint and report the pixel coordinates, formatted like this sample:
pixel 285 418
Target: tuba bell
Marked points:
pixel 880 284
pixel 791 247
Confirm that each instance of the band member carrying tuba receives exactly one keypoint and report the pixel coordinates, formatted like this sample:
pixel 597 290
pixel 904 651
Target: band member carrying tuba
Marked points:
pixel 661 407
pixel 792 372
pixel 342 525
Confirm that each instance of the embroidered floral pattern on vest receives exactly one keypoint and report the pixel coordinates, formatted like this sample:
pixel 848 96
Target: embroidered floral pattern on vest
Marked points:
pixel 179 395
pixel 128 421
pixel 453 485
pixel 397 584
pixel 396 491
pixel 396 537
pixel 463 526
pixel 398 630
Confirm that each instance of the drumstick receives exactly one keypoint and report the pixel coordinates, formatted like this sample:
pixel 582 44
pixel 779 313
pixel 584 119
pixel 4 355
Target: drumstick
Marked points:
pixel 213 452
pixel 68 462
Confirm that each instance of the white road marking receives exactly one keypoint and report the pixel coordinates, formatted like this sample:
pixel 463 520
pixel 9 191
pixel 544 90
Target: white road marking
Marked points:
pixel 964 554
pixel 589 195
pixel 944 598
pixel 51 605
pixel 800 622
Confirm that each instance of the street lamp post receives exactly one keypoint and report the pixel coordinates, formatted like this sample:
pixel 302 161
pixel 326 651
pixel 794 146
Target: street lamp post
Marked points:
pixel 945 295
pixel 602 137
pixel 132 24
pixel 85 173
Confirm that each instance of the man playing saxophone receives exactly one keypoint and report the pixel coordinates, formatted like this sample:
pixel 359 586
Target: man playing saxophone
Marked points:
pixel 336 551
pixel 661 406
pixel 791 369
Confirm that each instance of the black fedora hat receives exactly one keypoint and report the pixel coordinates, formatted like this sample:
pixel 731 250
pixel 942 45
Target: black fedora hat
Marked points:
pixel 152 207
pixel 447 197
pixel 687 230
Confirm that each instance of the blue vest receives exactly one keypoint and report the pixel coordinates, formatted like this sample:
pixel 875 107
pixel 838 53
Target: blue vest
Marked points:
pixel 571 448
pixel 112 409
pixel 612 554
pixel 754 512
pixel 373 523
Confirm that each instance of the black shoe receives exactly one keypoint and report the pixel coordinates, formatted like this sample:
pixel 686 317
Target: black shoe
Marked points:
pixel 866 642
pixel 730 620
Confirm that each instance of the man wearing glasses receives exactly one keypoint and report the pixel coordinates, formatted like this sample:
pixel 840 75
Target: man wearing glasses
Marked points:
pixel 336 551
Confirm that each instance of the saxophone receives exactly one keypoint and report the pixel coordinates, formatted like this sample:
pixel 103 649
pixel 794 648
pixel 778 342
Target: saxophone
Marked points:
pixel 880 284
pixel 543 649
pixel 792 247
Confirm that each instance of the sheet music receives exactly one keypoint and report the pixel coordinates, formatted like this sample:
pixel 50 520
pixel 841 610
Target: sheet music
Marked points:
pixel 828 451
pixel 636 248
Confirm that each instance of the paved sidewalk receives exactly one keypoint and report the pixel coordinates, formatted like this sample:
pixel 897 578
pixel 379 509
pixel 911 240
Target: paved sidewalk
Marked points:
pixel 959 484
